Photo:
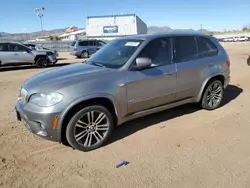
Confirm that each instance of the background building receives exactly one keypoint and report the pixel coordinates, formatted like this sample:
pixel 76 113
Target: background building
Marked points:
pixel 71 29
pixel 113 26
pixel 80 34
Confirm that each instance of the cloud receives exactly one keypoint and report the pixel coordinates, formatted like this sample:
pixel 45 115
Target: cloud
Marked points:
pixel 24 29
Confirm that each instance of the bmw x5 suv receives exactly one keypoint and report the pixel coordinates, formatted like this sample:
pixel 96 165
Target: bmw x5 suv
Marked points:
pixel 130 77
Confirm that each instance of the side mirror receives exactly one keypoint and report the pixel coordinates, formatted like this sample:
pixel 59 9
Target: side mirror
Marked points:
pixel 143 62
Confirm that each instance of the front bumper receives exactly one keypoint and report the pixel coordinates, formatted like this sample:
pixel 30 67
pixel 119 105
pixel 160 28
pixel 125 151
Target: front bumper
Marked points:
pixel 52 59
pixel 39 123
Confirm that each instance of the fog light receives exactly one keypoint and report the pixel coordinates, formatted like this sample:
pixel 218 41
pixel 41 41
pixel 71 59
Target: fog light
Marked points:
pixel 42 126
pixel 42 133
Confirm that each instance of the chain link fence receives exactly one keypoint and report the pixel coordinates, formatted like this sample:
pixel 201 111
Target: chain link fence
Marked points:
pixel 60 46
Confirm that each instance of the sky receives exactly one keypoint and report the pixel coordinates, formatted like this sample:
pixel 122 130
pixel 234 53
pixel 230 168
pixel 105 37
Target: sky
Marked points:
pixel 17 16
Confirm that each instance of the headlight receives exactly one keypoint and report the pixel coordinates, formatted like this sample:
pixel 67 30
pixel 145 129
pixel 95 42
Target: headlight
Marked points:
pixel 46 100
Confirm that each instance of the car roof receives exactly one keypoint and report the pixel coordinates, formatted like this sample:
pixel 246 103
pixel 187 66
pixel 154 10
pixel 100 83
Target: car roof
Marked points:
pixel 166 34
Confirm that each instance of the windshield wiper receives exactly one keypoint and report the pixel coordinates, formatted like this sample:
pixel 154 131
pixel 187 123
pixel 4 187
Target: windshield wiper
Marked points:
pixel 98 64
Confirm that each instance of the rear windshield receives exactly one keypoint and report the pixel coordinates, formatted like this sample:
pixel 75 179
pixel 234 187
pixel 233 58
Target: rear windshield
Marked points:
pixel 73 43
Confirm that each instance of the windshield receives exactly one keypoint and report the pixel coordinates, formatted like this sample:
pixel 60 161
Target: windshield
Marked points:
pixel 115 54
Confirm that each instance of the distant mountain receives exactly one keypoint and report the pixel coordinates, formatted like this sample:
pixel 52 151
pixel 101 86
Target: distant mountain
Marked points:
pixel 3 34
pixel 155 29
pixel 25 36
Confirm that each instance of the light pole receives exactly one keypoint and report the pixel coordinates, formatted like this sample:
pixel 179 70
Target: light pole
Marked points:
pixel 40 15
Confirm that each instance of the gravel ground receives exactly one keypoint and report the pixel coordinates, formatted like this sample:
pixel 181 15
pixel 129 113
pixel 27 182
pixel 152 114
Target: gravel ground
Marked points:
pixel 182 147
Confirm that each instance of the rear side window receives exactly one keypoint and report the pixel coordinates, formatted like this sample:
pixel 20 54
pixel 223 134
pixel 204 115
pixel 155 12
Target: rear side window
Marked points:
pixel 185 48
pixel 4 47
pixel 83 43
pixel 206 47
pixel 92 43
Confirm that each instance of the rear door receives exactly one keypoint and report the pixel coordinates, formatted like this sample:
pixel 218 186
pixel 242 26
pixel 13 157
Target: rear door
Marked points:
pixel 189 66
pixel 92 46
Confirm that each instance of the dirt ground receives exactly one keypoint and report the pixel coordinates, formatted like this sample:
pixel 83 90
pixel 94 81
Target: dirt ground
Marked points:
pixel 183 147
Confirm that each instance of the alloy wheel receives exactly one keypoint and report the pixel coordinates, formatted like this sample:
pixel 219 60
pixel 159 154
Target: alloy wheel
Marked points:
pixel 214 95
pixel 91 128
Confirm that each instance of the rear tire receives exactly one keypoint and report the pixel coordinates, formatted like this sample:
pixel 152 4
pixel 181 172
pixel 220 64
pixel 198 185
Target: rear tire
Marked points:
pixel 90 128
pixel 248 61
pixel 42 62
pixel 213 95
pixel 84 54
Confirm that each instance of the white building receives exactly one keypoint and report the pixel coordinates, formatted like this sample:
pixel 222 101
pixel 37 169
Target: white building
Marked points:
pixel 113 26
pixel 80 34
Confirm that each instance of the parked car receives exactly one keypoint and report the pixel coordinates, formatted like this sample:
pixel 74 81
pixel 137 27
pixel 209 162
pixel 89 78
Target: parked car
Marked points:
pixel 41 48
pixel 128 78
pixel 17 53
pixel 242 38
pixel 230 39
pixel 85 48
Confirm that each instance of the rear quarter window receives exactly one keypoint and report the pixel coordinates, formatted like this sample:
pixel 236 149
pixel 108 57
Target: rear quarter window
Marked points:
pixel 73 43
pixel 206 47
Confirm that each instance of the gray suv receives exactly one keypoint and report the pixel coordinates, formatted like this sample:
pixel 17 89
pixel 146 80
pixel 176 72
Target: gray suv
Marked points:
pixel 128 78
pixel 17 53
pixel 85 48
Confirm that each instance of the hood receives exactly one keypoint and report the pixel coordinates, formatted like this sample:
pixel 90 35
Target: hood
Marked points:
pixel 57 78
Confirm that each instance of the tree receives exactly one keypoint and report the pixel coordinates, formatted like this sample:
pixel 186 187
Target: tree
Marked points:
pixel 245 29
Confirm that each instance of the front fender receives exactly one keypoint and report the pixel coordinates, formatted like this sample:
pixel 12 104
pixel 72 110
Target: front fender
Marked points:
pixel 85 98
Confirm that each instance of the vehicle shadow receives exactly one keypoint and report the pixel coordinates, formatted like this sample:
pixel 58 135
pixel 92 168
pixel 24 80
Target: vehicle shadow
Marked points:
pixel 24 67
pixel 61 58
pixel 131 127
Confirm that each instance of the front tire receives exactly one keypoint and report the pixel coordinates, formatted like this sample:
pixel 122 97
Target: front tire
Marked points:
pixel 213 95
pixel 90 128
pixel 42 62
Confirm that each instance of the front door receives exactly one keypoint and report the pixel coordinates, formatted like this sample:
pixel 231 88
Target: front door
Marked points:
pixel 156 85
pixel 21 54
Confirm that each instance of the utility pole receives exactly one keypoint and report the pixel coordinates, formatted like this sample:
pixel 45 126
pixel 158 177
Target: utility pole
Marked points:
pixel 201 27
pixel 40 15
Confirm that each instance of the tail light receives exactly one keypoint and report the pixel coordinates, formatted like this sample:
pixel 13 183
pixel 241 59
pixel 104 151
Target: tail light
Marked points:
pixel 75 49
pixel 228 62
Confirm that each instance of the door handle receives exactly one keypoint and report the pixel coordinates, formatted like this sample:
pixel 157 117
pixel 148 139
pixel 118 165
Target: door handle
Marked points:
pixel 169 73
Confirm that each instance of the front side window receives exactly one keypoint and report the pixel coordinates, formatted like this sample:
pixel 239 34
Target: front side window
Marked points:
pixel 101 43
pixel 159 51
pixel 115 54
pixel 206 47
pixel 185 48
pixel 17 48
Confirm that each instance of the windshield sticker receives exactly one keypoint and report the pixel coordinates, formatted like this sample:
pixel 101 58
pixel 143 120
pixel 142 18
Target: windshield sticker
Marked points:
pixel 132 44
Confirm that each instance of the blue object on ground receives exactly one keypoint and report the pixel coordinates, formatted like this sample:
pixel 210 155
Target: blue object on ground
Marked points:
pixel 122 163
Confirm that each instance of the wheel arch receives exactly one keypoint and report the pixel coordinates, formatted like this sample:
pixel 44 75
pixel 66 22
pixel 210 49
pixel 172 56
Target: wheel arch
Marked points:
pixel 104 100
pixel 219 77
pixel 39 56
